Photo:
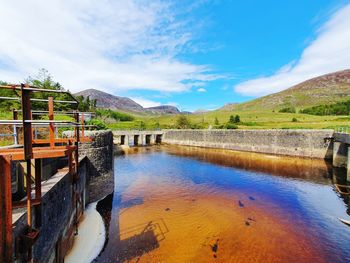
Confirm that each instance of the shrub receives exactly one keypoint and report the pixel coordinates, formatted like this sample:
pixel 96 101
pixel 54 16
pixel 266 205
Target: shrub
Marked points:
pixel 231 126
pixel 288 110
pixel 339 108
pixel 294 120
pixel 99 125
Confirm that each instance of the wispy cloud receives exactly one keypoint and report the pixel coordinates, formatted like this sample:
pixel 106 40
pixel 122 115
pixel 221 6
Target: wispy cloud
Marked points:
pixel 201 90
pixel 329 52
pixel 109 45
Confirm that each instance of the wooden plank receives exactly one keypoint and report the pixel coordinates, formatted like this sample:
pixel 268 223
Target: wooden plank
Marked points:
pixel 5 211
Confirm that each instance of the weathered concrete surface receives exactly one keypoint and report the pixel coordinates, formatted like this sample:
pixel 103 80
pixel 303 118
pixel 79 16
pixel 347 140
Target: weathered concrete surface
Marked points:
pixel 341 152
pixel 303 143
pixel 99 153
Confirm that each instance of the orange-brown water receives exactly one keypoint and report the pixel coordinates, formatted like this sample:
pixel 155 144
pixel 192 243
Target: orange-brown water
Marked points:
pixel 181 204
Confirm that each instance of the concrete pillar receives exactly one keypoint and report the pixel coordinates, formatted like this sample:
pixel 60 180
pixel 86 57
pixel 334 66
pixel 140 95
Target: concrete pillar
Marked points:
pixel 143 139
pixel 340 154
pixel 153 139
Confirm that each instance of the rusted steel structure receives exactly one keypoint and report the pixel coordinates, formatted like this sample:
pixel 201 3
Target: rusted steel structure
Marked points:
pixel 32 151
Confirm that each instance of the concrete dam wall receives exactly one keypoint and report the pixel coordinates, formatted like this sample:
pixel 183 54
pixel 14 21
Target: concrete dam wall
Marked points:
pixel 301 143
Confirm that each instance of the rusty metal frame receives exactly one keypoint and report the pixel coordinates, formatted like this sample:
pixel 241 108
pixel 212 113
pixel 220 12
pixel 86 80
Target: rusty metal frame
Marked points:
pixel 34 149
pixel 341 189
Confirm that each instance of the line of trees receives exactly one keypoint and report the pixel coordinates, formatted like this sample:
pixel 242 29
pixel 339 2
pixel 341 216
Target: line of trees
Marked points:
pixel 339 108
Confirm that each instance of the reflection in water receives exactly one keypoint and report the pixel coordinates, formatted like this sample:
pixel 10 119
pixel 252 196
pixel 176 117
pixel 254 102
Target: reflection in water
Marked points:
pixel 183 204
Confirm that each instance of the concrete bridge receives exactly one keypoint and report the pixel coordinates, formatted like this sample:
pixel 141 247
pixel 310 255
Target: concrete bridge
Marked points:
pixel 341 151
pixel 137 138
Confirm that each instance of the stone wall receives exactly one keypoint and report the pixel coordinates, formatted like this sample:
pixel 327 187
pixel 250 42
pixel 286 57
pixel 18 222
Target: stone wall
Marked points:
pixel 99 154
pixel 303 143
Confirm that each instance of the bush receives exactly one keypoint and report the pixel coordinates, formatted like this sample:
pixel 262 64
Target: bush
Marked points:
pixel 288 110
pixel 339 108
pixel 99 125
pixel 294 120
pixel 231 126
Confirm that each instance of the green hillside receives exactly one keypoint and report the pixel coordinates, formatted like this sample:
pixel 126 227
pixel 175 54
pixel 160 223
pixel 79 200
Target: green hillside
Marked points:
pixel 264 112
pixel 326 89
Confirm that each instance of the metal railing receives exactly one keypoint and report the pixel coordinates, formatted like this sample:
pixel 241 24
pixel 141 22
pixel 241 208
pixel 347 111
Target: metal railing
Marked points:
pixel 34 150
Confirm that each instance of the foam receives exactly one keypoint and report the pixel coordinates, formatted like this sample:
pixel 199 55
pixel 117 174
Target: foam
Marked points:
pixel 90 240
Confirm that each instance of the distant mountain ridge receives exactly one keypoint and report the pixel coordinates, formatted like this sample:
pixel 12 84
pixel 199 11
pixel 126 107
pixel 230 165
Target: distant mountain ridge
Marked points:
pixel 326 89
pixel 109 101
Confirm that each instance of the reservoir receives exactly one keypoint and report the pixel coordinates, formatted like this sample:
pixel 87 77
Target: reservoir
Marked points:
pixel 185 204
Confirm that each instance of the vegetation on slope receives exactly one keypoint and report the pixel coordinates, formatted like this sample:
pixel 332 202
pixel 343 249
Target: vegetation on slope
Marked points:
pixel 326 89
pixel 339 108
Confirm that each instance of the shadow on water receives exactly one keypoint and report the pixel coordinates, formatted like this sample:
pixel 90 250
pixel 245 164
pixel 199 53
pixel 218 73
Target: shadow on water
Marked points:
pixel 129 243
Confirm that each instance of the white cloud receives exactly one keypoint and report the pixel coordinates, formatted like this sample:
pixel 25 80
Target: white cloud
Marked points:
pixel 201 90
pixel 109 45
pixel 145 102
pixel 329 52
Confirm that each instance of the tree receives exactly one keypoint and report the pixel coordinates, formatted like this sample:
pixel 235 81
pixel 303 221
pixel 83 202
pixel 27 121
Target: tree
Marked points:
pixel 232 119
pixel 44 80
pixel 182 122
pixel 142 125
pixel 216 121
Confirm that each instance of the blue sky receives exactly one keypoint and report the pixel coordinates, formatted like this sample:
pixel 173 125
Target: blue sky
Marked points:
pixel 195 56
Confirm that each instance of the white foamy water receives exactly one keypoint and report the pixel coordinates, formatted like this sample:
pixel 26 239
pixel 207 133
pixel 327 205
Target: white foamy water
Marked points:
pixel 90 240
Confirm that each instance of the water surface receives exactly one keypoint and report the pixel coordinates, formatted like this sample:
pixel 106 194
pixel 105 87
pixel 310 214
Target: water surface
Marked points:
pixel 184 204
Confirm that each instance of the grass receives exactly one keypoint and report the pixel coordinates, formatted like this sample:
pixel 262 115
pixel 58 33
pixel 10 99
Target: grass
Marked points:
pixel 253 119
pixel 249 120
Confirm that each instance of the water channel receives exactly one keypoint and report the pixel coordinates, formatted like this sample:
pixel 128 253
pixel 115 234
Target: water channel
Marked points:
pixel 183 204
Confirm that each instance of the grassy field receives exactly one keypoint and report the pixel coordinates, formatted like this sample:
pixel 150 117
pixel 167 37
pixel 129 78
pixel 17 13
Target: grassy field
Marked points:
pixel 249 120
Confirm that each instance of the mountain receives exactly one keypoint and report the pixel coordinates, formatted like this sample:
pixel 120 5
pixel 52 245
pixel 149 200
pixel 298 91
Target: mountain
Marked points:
pixel 164 109
pixel 108 101
pixel 325 89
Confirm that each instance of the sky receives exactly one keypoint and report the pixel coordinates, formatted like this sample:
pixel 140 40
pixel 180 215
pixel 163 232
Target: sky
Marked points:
pixel 197 54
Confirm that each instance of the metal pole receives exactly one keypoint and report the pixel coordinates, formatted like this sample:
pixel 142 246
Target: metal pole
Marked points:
pixel 51 126
pixel 6 238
